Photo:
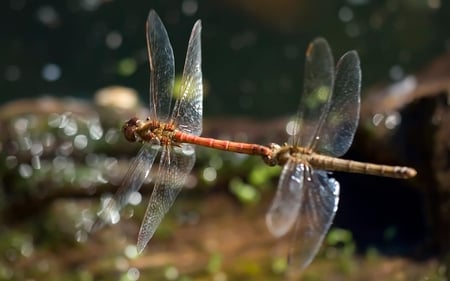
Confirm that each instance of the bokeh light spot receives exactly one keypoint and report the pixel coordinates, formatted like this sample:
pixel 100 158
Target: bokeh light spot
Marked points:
pixel 51 72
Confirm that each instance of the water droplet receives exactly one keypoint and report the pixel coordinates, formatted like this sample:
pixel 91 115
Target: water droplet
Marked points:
pixel 396 72
pixel 131 251
pixel 191 181
pixel 99 177
pixel 209 174
pixel 24 143
pixel 81 236
pixel 63 120
pixel 48 140
pixel 80 142
pixel 25 170
pixel 127 67
pixel 21 125
pixel 121 264
pixel 51 72
pixel 112 136
pixel 110 163
pixel 113 40
pixel 11 161
pixel 95 131
pixel 291 128
pixel 133 274
pixel 36 162
pixel 377 118
pixel 59 163
pixel 135 198
pixel 90 5
pixel 393 120
pixel 65 148
pixel 54 120
pixel 403 87
pixel 37 149
pixel 345 14
pixel 27 248
pixel 48 16
pixel 434 4
pixel 189 7
pixel 171 273
pixel 71 128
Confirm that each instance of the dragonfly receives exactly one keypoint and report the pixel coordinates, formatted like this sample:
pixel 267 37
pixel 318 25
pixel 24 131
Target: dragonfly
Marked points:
pixel 307 197
pixel 173 134
pixel 176 134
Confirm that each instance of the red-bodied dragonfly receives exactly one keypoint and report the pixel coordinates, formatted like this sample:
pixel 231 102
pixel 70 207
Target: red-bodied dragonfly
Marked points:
pixel 173 134
pixel 307 198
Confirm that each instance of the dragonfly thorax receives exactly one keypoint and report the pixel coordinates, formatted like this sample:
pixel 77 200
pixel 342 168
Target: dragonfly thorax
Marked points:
pixel 281 154
pixel 136 130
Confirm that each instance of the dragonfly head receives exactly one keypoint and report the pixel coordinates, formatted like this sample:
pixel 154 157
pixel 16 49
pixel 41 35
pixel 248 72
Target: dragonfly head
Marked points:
pixel 129 129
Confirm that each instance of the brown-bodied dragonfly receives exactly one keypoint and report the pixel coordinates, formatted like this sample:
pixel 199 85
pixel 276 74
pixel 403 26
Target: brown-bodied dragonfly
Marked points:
pixel 307 198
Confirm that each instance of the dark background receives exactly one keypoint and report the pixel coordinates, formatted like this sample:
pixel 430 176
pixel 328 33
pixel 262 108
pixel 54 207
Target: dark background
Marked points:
pixel 253 51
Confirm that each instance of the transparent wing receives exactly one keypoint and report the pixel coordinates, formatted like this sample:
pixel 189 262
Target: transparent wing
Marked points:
pixel 132 182
pixel 160 55
pixel 187 113
pixel 338 130
pixel 317 91
pixel 318 207
pixel 175 165
pixel 285 207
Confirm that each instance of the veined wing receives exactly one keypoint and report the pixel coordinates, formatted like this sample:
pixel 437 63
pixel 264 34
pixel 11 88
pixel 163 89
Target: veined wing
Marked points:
pixel 176 163
pixel 187 112
pixel 317 92
pixel 132 182
pixel 338 130
pixel 162 68
pixel 285 207
pixel 317 210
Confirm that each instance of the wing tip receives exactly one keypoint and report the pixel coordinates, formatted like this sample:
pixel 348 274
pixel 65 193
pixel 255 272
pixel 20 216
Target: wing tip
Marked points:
pixel 141 244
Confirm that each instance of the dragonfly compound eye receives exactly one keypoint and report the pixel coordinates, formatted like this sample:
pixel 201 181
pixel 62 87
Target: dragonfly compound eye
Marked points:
pixel 129 129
